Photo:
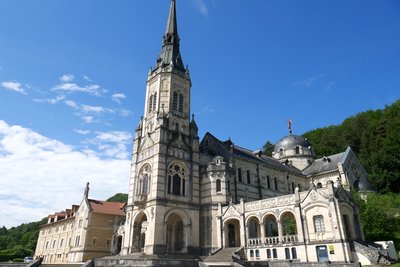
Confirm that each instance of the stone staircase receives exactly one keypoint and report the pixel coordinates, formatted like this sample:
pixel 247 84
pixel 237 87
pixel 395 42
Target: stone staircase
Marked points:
pixel 375 254
pixel 61 265
pixel 222 258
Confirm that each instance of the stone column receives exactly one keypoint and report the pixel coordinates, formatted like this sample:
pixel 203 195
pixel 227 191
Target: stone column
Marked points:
pixel 262 232
pixel 280 231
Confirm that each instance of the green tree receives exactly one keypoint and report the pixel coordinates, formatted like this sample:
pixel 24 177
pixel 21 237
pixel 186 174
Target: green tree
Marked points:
pixel 119 197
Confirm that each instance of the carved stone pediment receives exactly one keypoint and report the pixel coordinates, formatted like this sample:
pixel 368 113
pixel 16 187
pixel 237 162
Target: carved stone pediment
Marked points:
pixel 315 195
pixel 178 142
pixel 232 211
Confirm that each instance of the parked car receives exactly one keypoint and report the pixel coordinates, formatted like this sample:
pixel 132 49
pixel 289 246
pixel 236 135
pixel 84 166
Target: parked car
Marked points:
pixel 28 259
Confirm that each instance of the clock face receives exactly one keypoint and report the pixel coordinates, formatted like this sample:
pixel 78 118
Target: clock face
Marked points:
pixel 355 171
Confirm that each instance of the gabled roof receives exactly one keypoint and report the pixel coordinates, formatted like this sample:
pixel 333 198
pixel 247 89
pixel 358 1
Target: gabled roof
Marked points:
pixel 224 146
pixel 105 207
pixel 325 164
pixel 257 155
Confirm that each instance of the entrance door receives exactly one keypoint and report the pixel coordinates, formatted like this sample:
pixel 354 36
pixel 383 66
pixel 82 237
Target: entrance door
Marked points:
pixel 322 253
pixel 231 235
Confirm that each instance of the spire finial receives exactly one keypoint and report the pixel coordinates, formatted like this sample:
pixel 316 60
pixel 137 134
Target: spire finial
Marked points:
pixel 86 193
pixel 172 25
pixel 290 126
pixel 170 48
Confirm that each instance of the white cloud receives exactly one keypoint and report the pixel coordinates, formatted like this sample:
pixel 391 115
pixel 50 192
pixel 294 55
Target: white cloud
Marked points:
pixel 310 80
pixel 86 78
pixel 52 101
pixel 67 78
pixel 92 89
pixel 95 109
pixel 117 97
pixel 87 108
pixel 40 176
pixel 112 144
pixel 89 119
pixel 72 104
pixel 82 132
pixel 14 86
pixel 201 6
pixel 124 112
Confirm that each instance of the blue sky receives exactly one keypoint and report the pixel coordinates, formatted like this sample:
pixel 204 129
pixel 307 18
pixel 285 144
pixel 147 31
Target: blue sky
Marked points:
pixel 73 73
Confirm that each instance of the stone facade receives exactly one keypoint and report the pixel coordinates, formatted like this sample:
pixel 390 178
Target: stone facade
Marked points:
pixel 197 198
pixel 83 232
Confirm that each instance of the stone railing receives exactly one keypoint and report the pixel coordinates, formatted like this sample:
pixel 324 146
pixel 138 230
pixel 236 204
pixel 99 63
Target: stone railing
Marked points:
pixel 270 203
pixel 290 239
pixel 274 240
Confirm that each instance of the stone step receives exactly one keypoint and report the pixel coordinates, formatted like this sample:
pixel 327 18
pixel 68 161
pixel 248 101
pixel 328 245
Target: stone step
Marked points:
pixel 221 258
pixel 62 264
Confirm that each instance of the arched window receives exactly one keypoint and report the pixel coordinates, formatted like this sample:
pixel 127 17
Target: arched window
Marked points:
pixel 287 253
pixel 319 224
pixel 218 185
pixel 319 185
pixel 175 101
pixel 292 188
pixel 281 152
pixel 145 184
pixel 239 174
pixel 180 102
pixel 248 177
pixel 144 180
pixel 176 180
pixel 154 101
pixel 268 253
pixel 276 183
pixel 294 253
pixel 275 253
pixel 268 182
pixel 297 150
pixel 176 185
pixel 151 103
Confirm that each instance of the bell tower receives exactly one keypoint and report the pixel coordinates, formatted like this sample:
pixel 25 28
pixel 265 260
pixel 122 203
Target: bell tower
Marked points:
pixel 163 203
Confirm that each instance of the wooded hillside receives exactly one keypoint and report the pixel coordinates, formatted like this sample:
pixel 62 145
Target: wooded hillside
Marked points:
pixel 375 138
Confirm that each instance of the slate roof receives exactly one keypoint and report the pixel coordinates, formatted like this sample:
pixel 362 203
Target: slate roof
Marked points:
pixel 257 155
pixel 325 164
pixel 105 207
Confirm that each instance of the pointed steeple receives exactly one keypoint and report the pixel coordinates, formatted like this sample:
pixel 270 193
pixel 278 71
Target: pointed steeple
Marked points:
pixel 170 54
pixel 172 26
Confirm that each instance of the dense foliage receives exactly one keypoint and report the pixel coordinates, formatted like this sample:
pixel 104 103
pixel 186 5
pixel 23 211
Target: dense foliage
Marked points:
pixel 374 136
pixel 20 241
pixel 380 216
pixel 119 197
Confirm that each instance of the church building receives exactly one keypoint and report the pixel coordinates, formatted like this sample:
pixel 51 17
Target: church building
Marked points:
pixel 209 197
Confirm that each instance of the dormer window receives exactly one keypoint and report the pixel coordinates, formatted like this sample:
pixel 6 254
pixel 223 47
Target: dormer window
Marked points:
pixel 297 150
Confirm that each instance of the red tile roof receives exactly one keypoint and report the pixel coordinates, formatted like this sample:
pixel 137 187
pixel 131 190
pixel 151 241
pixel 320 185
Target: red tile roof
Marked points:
pixel 112 208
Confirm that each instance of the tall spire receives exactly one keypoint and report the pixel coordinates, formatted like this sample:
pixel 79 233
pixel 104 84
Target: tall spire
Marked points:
pixel 172 26
pixel 170 54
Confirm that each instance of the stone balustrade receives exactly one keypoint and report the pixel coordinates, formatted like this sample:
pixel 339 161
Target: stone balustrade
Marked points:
pixel 274 240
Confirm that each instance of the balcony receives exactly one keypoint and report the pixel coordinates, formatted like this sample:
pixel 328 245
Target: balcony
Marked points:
pixel 272 241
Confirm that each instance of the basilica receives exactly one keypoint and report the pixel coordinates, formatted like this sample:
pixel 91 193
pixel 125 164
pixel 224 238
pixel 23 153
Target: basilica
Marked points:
pixel 214 201
pixel 201 197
